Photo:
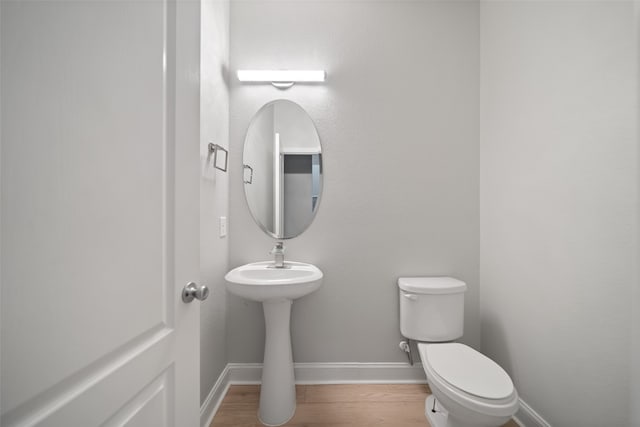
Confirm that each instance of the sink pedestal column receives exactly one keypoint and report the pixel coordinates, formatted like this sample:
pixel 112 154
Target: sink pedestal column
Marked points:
pixel 278 390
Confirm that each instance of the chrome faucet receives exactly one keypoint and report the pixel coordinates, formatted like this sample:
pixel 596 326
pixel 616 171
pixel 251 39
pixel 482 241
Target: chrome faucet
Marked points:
pixel 278 253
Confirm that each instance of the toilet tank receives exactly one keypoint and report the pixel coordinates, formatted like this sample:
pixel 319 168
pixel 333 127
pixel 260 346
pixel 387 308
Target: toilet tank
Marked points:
pixel 431 308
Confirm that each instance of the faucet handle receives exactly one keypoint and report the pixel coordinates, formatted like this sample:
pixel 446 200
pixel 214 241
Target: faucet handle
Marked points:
pixel 279 248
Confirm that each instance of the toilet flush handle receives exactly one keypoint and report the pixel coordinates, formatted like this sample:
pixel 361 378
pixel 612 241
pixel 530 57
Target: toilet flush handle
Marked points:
pixel 411 297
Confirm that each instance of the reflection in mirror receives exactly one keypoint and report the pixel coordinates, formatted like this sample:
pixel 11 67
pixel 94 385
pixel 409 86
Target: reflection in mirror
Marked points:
pixel 282 169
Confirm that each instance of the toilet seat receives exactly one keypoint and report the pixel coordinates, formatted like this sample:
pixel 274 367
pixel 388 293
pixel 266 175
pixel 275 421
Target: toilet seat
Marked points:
pixel 469 378
pixel 470 371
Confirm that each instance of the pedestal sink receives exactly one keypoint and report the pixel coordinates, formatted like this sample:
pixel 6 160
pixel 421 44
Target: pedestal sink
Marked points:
pixel 276 288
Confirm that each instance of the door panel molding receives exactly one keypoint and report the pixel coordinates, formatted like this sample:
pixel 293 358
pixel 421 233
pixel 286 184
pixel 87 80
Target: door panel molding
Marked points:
pixel 65 392
pixel 159 389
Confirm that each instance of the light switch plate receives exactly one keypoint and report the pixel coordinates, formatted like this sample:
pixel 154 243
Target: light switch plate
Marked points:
pixel 223 226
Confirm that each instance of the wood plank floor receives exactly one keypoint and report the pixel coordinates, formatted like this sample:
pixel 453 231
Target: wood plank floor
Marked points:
pixel 349 405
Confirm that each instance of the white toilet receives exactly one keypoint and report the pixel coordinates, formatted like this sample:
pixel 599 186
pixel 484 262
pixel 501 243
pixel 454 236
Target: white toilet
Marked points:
pixel 469 389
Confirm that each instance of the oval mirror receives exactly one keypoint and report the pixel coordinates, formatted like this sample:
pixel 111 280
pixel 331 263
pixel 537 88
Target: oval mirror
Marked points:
pixel 282 169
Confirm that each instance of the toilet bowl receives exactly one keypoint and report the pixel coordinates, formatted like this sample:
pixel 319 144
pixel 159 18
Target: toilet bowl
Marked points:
pixel 468 389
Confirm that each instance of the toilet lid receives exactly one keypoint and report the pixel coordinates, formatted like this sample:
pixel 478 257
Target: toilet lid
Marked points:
pixel 468 370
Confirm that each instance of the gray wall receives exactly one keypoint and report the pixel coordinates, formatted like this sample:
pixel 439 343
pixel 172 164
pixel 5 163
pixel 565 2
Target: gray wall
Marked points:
pixel 635 331
pixel 558 204
pixel 398 120
pixel 214 189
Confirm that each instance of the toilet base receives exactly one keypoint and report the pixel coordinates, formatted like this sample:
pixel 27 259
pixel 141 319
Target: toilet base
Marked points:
pixel 437 418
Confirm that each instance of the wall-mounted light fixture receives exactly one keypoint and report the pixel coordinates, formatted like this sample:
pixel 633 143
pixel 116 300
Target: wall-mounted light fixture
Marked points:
pixel 282 79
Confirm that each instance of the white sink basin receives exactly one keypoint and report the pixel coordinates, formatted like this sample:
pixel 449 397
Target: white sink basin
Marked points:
pixel 260 281
pixel 276 288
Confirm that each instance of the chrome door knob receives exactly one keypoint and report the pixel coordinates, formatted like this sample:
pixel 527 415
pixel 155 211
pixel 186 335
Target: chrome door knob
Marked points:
pixel 193 290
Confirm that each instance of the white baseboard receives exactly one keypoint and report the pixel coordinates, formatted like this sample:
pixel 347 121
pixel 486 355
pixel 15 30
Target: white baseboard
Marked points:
pixel 527 417
pixel 245 373
pixel 336 373
pixel 359 373
pixel 212 402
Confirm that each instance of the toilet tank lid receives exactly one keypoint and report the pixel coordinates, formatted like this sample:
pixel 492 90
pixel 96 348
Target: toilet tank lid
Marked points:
pixel 432 285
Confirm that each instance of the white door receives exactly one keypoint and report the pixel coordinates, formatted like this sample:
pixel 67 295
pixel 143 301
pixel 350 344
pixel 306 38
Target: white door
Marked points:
pixel 100 210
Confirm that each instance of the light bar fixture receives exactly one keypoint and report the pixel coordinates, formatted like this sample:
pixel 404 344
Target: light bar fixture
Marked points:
pixel 281 79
